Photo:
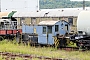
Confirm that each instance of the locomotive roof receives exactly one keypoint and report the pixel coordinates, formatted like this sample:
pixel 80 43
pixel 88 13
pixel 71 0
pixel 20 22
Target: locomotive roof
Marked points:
pixel 50 22
pixel 47 22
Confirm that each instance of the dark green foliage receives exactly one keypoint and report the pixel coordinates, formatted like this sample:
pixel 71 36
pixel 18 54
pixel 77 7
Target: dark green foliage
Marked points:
pixel 51 4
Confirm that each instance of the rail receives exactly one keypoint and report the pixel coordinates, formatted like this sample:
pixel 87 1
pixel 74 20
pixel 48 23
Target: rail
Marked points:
pixel 25 56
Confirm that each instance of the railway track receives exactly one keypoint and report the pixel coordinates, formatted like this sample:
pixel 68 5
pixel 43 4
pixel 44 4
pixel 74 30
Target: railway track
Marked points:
pixel 70 48
pixel 12 56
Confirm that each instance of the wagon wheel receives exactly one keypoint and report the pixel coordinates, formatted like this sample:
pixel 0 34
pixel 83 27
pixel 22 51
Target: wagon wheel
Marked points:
pixel 1 38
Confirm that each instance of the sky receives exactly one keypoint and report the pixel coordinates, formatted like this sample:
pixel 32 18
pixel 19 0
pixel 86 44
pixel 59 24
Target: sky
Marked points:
pixel 79 0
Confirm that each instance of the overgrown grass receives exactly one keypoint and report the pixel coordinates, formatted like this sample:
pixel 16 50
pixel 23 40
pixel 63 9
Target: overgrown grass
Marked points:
pixel 6 46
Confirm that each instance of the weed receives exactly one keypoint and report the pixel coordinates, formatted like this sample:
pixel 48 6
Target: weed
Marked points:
pixel 8 46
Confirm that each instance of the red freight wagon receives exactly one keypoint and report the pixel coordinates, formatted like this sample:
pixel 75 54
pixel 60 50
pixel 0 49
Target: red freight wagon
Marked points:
pixel 9 33
pixel 2 32
pixel 8 27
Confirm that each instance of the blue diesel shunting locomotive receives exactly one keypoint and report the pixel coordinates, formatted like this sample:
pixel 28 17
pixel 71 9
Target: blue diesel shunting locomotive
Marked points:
pixel 45 31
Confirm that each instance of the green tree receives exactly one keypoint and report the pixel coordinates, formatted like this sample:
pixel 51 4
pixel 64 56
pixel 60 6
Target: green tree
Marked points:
pixel 50 4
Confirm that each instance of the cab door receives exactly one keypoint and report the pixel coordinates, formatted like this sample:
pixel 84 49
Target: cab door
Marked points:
pixel 50 35
pixel 42 35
